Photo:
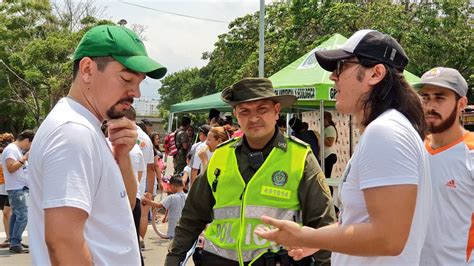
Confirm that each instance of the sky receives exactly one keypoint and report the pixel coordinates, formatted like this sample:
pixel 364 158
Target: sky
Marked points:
pixel 178 42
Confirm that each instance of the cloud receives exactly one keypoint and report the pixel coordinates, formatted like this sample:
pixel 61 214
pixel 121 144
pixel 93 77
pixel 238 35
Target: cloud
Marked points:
pixel 175 41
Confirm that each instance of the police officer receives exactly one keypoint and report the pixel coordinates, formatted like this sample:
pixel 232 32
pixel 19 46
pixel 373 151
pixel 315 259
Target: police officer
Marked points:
pixel 264 172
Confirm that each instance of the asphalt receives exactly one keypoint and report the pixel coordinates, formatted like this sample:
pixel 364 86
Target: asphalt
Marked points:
pixel 154 253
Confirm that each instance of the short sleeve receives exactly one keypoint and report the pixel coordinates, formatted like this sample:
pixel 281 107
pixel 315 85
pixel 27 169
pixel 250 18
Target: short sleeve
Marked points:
pixel 391 156
pixel 69 178
pixel 330 132
pixel 10 154
pixel 197 161
pixel 167 202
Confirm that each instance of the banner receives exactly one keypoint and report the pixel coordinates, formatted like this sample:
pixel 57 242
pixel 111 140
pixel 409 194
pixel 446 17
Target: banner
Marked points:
pixel 300 93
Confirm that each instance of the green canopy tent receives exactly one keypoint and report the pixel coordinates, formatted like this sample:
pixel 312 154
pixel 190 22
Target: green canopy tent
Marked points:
pixel 202 104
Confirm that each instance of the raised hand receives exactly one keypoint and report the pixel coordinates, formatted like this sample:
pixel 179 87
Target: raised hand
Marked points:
pixel 122 136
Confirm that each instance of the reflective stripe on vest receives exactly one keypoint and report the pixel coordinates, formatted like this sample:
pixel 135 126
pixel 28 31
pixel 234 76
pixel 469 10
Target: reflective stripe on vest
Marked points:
pixel 231 254
pixel 272 191
pixel 257 211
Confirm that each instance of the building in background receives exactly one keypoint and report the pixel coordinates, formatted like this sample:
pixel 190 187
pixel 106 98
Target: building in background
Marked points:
pixel 146 106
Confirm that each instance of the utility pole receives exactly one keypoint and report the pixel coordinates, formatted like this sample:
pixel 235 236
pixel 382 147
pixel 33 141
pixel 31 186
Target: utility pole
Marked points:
pixel 261 50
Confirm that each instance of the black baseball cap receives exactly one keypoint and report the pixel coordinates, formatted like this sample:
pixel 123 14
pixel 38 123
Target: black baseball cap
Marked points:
pixel 370 44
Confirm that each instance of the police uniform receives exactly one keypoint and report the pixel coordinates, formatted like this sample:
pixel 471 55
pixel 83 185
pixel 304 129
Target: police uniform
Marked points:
pixel 314 206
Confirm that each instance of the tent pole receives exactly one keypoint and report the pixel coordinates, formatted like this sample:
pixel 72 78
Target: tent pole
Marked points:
pixel 170 122
pixel 288 123
pixel 321 134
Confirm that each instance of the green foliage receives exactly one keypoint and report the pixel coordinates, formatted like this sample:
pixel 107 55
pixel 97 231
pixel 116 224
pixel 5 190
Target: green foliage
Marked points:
pixel 433 34
pixel 35 60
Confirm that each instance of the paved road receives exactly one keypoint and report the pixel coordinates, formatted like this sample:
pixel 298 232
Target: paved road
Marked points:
pixel 154 254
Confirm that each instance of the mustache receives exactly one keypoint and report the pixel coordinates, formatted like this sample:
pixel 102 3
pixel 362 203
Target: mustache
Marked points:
pixel 125 100
pixel 433 113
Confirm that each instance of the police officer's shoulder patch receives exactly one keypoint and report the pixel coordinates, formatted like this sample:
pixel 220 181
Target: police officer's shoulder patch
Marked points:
pixel 323 184
pixel 229 141
pixel 297 140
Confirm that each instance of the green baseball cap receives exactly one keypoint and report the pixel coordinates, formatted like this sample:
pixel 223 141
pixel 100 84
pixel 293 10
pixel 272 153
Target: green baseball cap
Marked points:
pixel 121 44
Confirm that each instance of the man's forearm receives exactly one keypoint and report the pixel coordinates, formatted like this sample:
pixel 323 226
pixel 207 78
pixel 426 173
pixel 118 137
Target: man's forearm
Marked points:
pixel 66 254
pixel 129 179
pixel 150 178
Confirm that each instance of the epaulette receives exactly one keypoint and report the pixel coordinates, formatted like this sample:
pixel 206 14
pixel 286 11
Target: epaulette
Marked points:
pixel 297 140
pixel 229 141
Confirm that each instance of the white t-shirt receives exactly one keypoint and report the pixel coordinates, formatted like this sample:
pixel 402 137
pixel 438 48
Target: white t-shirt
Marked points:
pixel 17 179
pixel 330 132
pixel 138 165
pixel 146 146
pixel 72 165
pixel 390 152
pixel 197 163
pixel 174 203
pixel 451 224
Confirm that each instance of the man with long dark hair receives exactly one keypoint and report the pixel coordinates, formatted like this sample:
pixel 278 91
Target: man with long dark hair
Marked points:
pixel 450 147
pixel 385 191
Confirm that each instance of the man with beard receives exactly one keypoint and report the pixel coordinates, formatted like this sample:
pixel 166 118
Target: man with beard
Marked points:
pixel 451 155
pixel 82 189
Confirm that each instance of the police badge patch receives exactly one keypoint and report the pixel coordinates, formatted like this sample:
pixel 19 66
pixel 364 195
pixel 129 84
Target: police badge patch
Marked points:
pixel 279 178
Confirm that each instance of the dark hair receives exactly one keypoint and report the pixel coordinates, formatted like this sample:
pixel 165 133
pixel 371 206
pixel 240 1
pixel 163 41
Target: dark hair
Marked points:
pixel 213 113
pixel 189 156
pixel 104 128
pixel 393 92
pixel 295 124
pixel 142 126
pixel 281 122
pixel 101 61
pixel 130 113
pixel 26 134
pixel 152 137
pixel 185 121
pixel 328 116
pixel 176 180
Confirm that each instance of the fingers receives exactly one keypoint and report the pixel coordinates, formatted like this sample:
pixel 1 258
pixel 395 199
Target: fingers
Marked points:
pixel 122 133
pixel 271 221
pixel 296 254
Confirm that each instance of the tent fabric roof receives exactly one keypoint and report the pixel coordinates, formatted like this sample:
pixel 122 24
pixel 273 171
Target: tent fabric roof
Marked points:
pixel 202 104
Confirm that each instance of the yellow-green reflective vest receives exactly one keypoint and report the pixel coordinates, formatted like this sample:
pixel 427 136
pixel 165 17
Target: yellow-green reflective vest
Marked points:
pixel 272 191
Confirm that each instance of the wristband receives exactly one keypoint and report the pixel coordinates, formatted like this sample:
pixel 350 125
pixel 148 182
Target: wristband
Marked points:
pixel 21 162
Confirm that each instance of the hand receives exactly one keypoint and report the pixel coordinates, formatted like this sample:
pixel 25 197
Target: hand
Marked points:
pixel 122 135
pixel 145 201
pixel 299 253
pixel 283 232
pixel 148 196
pixel 26 156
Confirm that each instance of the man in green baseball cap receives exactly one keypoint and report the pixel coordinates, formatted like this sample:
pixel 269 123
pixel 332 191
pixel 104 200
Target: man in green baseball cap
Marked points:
pixel 77 174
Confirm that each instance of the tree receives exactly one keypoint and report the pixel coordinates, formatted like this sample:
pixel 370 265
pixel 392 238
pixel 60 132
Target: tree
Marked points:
pixel 35 64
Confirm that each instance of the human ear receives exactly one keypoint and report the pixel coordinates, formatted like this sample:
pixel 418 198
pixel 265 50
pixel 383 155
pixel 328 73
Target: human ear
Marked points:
pixel 377 74
pixel 85 69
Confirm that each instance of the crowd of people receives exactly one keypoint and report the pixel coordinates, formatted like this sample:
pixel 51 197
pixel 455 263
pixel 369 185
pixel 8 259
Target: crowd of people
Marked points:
pixel 254 194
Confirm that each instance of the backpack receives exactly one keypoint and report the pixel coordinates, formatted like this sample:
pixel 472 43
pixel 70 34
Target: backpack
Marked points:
pixel 170 143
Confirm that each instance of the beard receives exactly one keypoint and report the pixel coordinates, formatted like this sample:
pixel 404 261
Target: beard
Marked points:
pixel 112 113
pixel 444 125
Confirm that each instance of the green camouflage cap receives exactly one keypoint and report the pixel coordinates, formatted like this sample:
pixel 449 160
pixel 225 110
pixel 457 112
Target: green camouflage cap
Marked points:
pixel 121 44
pixel 254 89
